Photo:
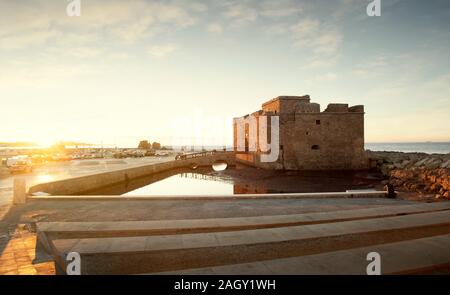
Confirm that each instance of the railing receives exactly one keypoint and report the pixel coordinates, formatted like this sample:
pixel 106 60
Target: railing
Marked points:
pixel 201 176
pixel 195 155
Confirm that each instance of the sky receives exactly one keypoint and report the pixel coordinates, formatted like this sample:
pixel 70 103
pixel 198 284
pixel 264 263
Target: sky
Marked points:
pixel 178 71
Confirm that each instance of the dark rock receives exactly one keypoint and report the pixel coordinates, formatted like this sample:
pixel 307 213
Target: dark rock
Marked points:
pixel 418 172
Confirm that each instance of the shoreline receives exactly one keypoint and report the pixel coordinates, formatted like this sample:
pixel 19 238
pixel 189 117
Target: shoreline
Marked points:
pixel 415 172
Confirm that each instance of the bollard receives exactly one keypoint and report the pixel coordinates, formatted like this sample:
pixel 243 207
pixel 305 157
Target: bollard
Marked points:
pixel 20 191
pixel 390 191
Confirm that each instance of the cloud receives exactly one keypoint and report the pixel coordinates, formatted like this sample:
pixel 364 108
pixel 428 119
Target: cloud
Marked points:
pixel 196 6
pixel 215 28
pixel 118 56
pixel 85 52
pixel 23 25
pixel 277 9
pixel 21 74
pixel 240 13
pixel 306 28
pixel 372 67
pixel 312 34
pixel 161 51
pixel 320 42
pixel 277 29
pixel 23 40
pixel 319 61
pixel 406 100
pixel 325 77
pixel 248 11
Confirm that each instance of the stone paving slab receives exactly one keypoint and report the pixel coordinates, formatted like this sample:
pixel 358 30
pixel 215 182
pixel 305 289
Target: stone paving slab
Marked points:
pixel 17 256
pixel 220 224
pixel 98 211
pixel 406 257
pixel 267 235
pixel 48 231
pixel 193 245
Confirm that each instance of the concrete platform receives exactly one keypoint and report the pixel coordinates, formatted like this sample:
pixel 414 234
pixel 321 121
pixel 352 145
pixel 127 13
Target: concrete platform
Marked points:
pixel 407 257
pixel 48 231
pixel 84 184
pixel 330 195
pixel 171 252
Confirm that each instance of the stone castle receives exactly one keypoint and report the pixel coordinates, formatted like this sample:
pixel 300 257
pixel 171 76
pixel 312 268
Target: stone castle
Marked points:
pixel 308 138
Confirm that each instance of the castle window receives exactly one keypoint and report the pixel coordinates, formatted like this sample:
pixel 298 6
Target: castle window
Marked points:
pixel 317 122
pixel 315 147
pixel 307 132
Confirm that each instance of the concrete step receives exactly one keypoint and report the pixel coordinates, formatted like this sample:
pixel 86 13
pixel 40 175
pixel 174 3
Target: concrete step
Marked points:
pixel 171 252
pixel 48 231
pixel 280 196
pixel 407 257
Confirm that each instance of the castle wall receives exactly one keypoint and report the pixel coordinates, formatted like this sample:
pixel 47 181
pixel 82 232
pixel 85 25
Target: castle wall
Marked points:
pixel 285 104
pixel 313 140
pixel 323 141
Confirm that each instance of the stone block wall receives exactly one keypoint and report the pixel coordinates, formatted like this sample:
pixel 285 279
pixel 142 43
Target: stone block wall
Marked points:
pixel 314 140
pixel 319 141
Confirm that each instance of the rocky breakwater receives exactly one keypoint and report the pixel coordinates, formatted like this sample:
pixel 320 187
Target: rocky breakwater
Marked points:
pixel 416 172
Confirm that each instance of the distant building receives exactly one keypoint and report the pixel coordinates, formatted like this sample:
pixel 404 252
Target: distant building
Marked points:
pixel 308 138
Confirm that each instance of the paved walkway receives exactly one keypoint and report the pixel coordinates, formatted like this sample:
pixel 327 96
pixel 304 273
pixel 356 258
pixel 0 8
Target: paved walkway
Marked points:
pixel 98 211
pixel 63 170
pixel 405 257
pixel 158 253
pixel 244 237
pixel 18 254
pixel 58 230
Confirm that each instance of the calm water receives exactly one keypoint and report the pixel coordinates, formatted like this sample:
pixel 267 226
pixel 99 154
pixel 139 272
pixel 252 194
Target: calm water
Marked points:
pixel 186 184
pixel 419 147
pixel 247 180
pixel 241 180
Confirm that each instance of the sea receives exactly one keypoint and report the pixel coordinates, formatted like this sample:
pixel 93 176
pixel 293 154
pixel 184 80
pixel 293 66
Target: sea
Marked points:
pixel 407 147
pixel 411 147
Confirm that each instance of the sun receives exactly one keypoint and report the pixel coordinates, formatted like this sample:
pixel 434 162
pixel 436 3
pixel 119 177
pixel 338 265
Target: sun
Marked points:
pixel 45 142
